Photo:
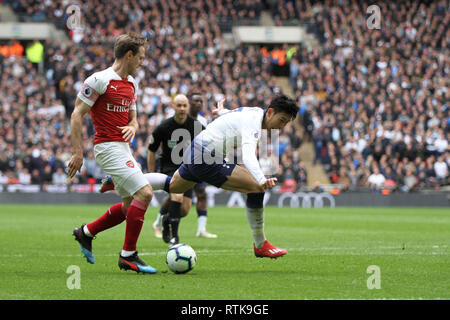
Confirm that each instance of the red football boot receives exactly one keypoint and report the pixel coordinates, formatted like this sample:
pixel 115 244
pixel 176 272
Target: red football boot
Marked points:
pixel 107 184
pixel 269 250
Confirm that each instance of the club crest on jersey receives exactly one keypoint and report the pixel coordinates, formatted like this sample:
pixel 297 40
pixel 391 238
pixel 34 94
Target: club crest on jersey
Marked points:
pixel 171 144
pixel 130 163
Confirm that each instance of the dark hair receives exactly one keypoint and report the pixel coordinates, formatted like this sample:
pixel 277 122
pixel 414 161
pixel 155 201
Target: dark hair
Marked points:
pixel 194 93
pixel 126 42
pixel 282 103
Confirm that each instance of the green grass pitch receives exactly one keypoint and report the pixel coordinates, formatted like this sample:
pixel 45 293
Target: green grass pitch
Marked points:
pixel 330 254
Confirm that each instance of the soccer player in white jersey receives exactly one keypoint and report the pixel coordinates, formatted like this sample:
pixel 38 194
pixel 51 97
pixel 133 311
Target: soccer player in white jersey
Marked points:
pixel 110 96
pixel 205 161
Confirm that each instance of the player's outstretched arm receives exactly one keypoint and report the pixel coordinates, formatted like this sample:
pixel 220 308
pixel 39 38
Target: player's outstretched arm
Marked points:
pixel 251 163
pixel 269 183
pixel 220 109
pixel 76 120
pixel 151 159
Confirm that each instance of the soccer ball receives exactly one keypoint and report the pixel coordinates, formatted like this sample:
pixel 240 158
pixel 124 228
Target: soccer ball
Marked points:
pixel 181 258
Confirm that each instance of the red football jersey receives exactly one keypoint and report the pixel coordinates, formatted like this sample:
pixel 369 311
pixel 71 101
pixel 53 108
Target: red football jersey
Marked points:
pixel 111 98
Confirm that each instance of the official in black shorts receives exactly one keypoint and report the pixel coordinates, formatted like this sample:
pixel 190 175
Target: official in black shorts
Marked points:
pixel 173 135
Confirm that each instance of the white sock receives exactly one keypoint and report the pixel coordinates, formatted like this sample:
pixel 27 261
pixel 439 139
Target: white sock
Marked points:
pixel 158 221
pixel 201 227
pixel 156 179
pixel 255 219
pixel 86 231
pixel 126 253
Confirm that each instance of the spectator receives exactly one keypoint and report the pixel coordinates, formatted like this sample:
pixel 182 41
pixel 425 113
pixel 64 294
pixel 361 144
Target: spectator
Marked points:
pixel 3 178
pixel 376 180
pixel 289 183
pixel 409 181
pixel 36 177
pixel 343 179
pixel 441 170
pixel 268 161
pixel 391 178
pixel 359 84
pixel 24 176
pixel 59 177
pixel 362 86
pixel 302 176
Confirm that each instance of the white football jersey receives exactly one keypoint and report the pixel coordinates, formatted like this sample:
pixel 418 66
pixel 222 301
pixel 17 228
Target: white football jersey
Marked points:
pixel 240 128
pixel 202 120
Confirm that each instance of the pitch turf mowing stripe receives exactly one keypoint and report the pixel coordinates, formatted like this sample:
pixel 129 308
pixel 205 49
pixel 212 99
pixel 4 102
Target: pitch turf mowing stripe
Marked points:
pixel 330 251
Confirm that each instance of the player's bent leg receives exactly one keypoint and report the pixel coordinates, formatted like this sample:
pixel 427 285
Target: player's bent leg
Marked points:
pixel 128 258
pixel 86 233
pixel 135 218
pixel 242 181
pixel 126 203
pixel 255 216
pixel 200 192
pixel 157 225
pixel 172 219
pixel 145 194
pixel 180 185
pixel 202 213
pixel 185 206
pixel 85 243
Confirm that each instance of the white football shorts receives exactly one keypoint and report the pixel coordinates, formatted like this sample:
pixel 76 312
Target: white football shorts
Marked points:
pixel 116 160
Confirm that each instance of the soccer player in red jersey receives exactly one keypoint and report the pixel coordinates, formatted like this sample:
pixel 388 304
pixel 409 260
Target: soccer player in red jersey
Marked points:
pixel 110 96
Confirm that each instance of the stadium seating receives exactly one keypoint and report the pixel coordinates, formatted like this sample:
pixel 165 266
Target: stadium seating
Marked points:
pixel 379 97
pixel 369 98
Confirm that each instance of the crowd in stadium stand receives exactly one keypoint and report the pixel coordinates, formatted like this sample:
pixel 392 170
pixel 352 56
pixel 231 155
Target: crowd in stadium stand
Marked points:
pixel 374 102
pixel 186 53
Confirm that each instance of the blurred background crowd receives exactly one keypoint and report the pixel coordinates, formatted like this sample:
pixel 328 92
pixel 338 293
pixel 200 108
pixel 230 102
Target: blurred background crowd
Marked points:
pixel 374 103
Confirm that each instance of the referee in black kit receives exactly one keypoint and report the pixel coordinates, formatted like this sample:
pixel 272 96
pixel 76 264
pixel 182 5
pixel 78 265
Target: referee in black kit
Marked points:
pixel 175 134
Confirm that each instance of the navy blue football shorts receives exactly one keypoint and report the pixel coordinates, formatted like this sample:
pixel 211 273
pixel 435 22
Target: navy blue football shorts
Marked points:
pixel 215 173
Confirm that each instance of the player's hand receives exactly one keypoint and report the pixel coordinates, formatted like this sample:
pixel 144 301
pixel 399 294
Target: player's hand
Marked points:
pixel 269 183
pixel 75 163
pixel 128 133
pixel 218 108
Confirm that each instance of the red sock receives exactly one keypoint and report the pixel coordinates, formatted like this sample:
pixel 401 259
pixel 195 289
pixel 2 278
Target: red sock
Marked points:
pixel 135 220
pixel 111 218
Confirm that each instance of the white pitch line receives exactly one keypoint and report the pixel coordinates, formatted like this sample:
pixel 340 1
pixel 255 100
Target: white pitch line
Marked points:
pixel 381 250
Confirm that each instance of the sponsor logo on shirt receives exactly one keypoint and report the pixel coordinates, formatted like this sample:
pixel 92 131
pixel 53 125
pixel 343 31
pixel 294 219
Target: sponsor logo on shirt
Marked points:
pixel 125 107
pixel 171 144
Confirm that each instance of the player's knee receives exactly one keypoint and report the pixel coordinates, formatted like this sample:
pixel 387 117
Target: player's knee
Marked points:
pixel 145 194
pixel 201 197
pixel 255 200
pixel 200 190
pixel 173 187
pixel 178 197
pixel 255 188
pixel 259 189
pixel 184 211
